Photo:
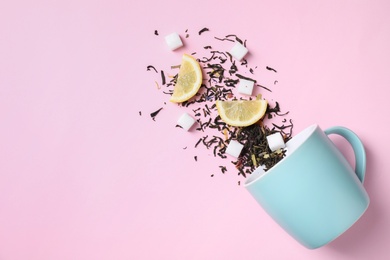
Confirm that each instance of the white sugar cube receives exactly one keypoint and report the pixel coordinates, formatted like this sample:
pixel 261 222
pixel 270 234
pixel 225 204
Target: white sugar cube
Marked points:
pixel 275 141
pixel 246 87
pixel 186 121
pixel 234 148
pixel 238 51
pixel 173 41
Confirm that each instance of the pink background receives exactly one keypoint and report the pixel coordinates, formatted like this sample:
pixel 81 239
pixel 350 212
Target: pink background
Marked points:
pixel 84 176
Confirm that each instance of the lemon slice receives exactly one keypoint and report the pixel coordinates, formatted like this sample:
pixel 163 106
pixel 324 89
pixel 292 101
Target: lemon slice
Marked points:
pixel 241 112
pixel 188 80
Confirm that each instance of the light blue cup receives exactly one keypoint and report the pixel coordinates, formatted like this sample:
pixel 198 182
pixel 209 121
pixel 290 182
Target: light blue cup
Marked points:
pixel 313 193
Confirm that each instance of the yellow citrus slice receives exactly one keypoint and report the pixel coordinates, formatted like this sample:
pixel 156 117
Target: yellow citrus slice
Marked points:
pixel 188 80
pixel 241 112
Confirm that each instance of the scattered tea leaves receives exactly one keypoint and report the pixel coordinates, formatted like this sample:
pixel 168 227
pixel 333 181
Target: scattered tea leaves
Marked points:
pixel 155 113
pixel 163 78
pixel 224 39
pixel 203 30
pixel 222 75
pixel 261 86
pixel 223 169
pixel 246 78
pixel 150 67
pixel 269 68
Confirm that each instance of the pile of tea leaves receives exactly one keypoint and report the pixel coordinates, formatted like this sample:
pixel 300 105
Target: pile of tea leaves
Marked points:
pixel 223 74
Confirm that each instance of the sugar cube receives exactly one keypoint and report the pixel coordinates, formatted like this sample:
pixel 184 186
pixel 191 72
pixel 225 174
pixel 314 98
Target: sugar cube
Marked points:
pixel 238 51
pixel 186 121
pixel 173 41
pixel 234 148
pixel 275 141
pixel 246 87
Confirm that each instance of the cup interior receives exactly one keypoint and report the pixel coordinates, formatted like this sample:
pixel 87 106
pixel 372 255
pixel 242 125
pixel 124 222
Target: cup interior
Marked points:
pixel 292 145
pixel 295 142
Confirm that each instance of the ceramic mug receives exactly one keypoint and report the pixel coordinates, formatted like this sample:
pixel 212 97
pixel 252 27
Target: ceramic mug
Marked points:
pixel 313 193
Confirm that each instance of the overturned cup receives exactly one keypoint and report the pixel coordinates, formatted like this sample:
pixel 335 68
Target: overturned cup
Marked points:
pixel 313 193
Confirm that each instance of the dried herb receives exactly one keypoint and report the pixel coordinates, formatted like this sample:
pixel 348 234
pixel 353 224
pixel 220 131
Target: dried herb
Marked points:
pixel 236 37
pixel 162 78
pixel 263 87
pixel 276 110
pixel 155 113
pixel 223 169
pixel 246 78
pixel 200 140
pixel 269 68
pixel 282 129
pixel 157 85
pixel 150 67
pixel 203 30
pixel 233 68
pixel 224 39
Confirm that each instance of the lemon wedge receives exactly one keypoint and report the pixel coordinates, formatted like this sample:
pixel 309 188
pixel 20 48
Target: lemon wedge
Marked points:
pixel 241 112
pixel 188 80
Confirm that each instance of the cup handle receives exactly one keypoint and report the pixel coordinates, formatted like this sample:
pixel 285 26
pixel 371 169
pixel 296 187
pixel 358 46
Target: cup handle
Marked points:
pixel 357 146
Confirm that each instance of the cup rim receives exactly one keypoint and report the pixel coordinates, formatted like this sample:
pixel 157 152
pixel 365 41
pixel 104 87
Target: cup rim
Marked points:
pixel 301 137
